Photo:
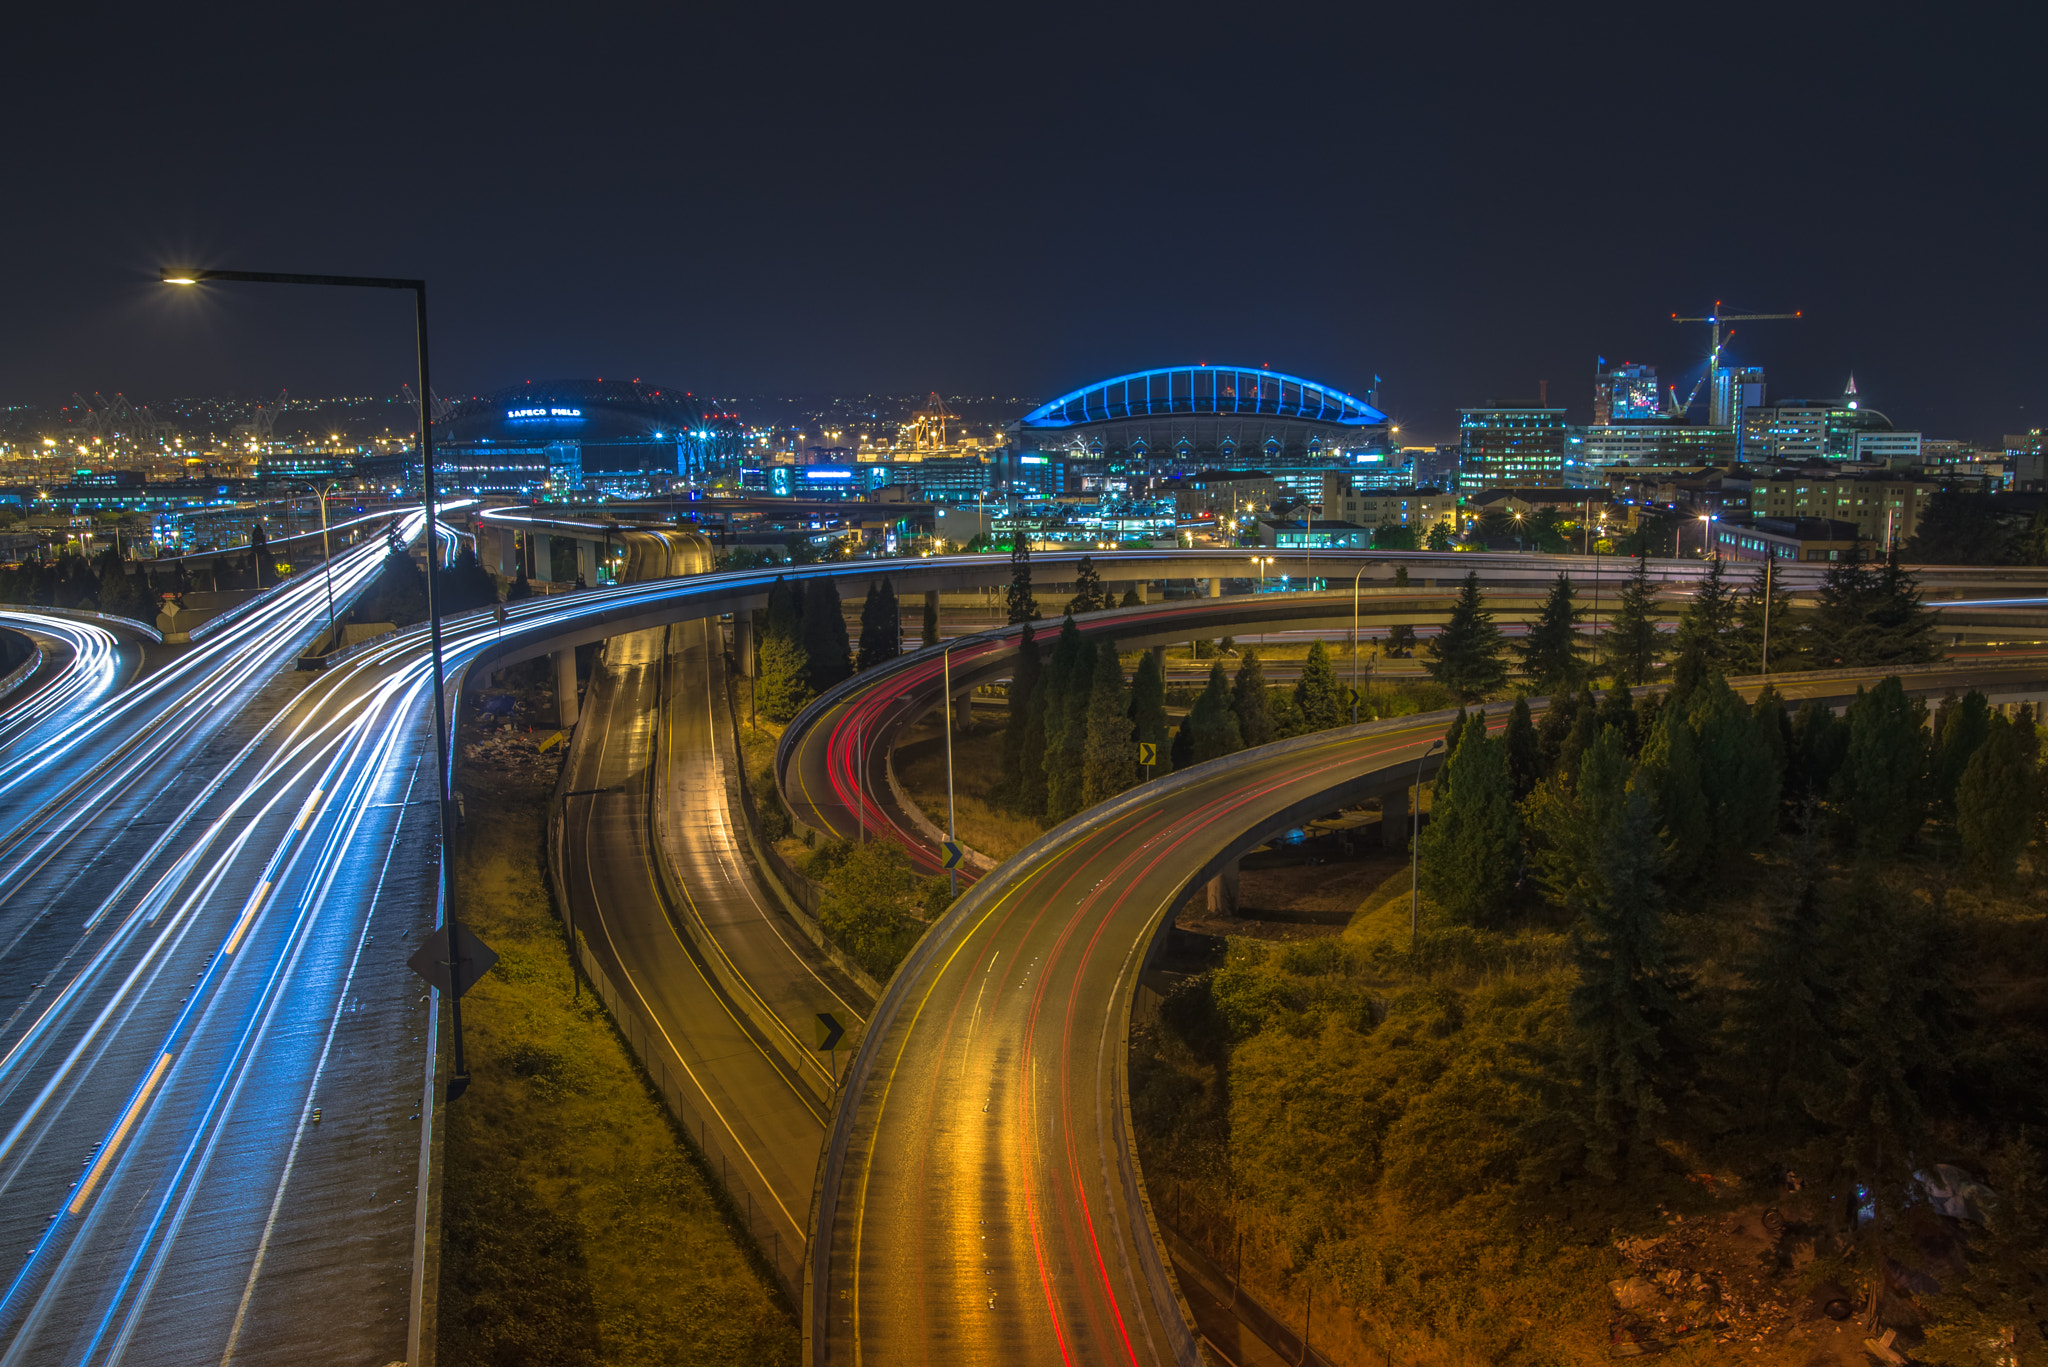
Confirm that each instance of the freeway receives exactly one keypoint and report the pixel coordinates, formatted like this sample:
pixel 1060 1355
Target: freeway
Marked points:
pixel 80 662
pixel 123 819
pixel 655 883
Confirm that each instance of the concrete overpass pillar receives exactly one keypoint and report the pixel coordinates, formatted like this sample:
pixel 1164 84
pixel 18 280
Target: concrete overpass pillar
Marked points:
pixel 565 687
pixel 1215 587
pixel 963 709
pixel 1223 890
pixel 743 641
pixel 1159 659
pixel 1394 820
pixel 505 557
pixel 586 562
pixel 540 548
pixel 1138 587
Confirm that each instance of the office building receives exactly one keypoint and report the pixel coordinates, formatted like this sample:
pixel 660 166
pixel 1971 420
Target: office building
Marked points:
pixel 1895 449
pixel 1798 539
pixel 1881 506
pixel 1510 445
pixel 1658 442
pixel 1735 390
pixel 1623 393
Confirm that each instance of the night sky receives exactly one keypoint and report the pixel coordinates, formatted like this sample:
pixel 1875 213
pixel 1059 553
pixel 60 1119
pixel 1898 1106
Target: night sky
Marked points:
pixel 1019 199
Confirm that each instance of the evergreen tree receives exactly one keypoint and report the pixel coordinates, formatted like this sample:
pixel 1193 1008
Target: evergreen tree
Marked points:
pixel 1778 1014
pixel 1740 771
pixel 1319 699
pixel 1960 727
pixel 1869 614
pixel 521 588
pixel 1286 716
pixel 1088 595
pixel 1465 656
pixel 930 635
pixel 1021 606
pixel 1879 792
pixel 1671 759
pixel 1746 646
pixel 1131 599
pixel 1439 538
pixel 1148 710
pixel 785 612
pixel 1029 796
pixel 825 642
pixel 1184 743
pixel 1401 638
pixel 1024 681
pixel 1705 638
pixel 1550 652
pixel 1469 848
pixel 889 617
pixel 783 685
pixel 1252 703
pixel 259 556
pixel 1554 728
pixel 1585 730
pixel 1631 637
pixel 1820 740
pixel 1110 761
pixel 465 586
pixel 1401 571
pixel 1524 751
pixel 1893 1030
pixel 1212 722
pixel 868 653
pixel 1618 710
pixel 1994 802
pixel 1072 677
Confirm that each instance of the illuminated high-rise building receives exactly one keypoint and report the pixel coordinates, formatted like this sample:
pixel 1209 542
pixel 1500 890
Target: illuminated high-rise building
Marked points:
pixel 1623 393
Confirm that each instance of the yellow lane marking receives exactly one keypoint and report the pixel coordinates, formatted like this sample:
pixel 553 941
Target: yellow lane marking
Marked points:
pixel 92 1179
pixel 306 812
pixel 242 926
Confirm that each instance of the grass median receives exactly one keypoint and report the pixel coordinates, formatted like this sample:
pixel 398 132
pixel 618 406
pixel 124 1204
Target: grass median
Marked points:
pixel 577 1228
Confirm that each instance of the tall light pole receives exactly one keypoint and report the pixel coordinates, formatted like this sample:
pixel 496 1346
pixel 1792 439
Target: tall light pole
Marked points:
pixel 1706 531
pixel 1354 644
pixel 459 1082
pixel 327 565
pixel 952 832
pixel 1415 853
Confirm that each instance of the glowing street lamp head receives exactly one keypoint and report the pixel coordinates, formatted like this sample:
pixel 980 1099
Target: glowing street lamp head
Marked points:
pixel 181 275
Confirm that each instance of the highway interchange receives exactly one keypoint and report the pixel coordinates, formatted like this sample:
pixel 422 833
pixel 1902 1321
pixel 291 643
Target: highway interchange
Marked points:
pixel 217 1079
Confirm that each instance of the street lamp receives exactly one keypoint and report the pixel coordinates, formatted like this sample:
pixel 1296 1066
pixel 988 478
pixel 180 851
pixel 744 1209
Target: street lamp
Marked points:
pixel 1262 561
pixel 327 564
pixel 1705 532
pixel 1415 853
pixel 459 1082
pixel 1354 644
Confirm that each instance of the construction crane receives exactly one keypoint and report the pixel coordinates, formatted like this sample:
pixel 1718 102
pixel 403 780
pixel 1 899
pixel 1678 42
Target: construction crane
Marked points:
pixel 1716 318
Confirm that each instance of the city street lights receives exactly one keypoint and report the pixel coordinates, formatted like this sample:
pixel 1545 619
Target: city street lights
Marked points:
pixel 1415 853
pixel 1262 561
pixel 952 832
pixel 1706 531
pixel 459 1081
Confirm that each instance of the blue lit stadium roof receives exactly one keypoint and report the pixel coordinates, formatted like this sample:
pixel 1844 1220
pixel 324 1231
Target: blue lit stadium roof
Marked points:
pixel 1206 389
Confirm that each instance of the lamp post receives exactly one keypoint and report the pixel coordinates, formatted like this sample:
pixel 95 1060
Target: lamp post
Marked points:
pixel 1354 644
pixel 1415 853
pixel 1706 531
pixel 327 564
pixel 952 832
pixel 459 1081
